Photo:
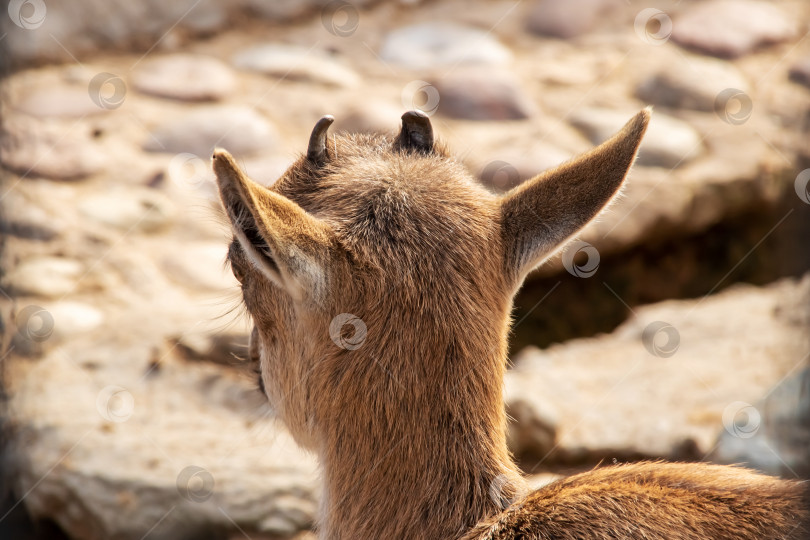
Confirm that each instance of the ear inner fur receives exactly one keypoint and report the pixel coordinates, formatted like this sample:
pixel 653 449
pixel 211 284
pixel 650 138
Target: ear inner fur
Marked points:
pixel 298 244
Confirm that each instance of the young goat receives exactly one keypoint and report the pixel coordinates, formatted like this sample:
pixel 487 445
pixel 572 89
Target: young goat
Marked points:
pixel 380 276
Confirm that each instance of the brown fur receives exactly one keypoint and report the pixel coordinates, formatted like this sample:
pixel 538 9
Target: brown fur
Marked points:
pixel 410 426
pixel 681 501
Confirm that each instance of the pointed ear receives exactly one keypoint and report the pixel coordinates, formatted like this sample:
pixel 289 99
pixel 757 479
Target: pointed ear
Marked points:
pixel 538 216
pixel 290 247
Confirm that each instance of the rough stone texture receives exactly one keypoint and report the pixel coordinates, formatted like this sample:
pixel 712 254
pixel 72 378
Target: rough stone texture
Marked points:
pixel 106 439
pixel 732 28
pixel 473 94
pixel 147 311
pixel 21 217
pixel 240 129
pixel 200 265
pixel 184 76
pixel 772 435
pixel 69 102
pixel 280 9
pixel 669 142
pixel 374 116
pixel 438 44
pixel 74 318
pixel 739 175
pixel 118 24
pixel 509 167
pixel 568 19
pixel 50 277
pixel 610 396
pixel 141 209
pixel 800 72
pixel 295 63
pixel 691 83
pixel 41 149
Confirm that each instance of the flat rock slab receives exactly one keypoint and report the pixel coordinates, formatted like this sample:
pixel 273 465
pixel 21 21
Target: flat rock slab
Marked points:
pixel 134 209
pixel 660 384
pixel 22 218
pixel 38 327
pixel 691 82
pixel 296 63
pixel 75 318
pixel 174 451
pixel 240 129
pixel 568 19
pixel 187 77
pixel 370 116
pixel 442 44
pixel 732 28
pixel 474 94
pixel 105 25
pixel 33 148
pixel 49 277
pixel 61 101
pixel 508 167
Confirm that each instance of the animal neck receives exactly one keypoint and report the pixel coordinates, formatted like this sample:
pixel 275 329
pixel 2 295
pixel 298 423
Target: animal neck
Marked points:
pixel 422 455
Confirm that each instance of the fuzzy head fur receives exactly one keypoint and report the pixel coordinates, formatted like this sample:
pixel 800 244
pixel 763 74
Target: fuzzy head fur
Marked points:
pixel 379 276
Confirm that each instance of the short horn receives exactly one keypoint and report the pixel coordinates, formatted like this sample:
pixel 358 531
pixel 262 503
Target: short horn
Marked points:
pixel 417 133
pixel 316 152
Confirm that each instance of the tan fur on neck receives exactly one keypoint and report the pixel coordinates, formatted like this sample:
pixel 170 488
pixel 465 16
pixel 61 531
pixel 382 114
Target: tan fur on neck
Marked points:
pixel 410 425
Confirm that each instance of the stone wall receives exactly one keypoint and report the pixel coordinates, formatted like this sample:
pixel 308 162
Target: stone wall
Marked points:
pixel 67 31
pixel 127 414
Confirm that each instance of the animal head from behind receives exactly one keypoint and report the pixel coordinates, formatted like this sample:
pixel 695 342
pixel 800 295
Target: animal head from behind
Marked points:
pixel 379 276
pixel 378 267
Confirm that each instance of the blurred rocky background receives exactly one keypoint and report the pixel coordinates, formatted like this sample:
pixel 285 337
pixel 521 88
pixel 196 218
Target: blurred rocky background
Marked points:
pixel 675 327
